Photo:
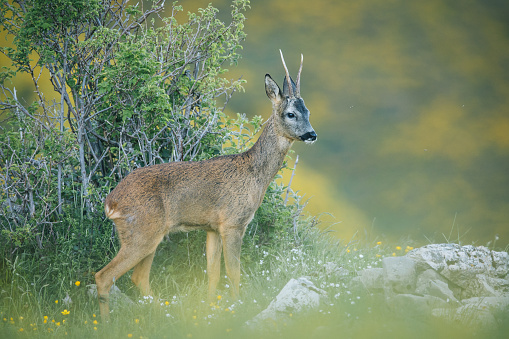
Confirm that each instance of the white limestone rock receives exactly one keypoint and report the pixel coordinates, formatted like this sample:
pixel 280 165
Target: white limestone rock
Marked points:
pixel 399 275
pixel 371 278
pixel 297 296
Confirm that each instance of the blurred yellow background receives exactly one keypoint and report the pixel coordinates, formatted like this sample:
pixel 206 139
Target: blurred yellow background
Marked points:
pixel 410 101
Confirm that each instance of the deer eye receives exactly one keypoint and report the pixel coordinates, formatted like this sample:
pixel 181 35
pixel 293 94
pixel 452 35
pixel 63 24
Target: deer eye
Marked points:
pixel 291 115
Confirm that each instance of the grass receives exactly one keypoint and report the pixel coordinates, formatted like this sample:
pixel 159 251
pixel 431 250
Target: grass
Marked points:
pixel 35 301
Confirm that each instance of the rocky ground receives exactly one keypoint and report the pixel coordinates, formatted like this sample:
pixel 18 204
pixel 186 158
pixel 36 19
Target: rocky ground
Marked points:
pixel 461 284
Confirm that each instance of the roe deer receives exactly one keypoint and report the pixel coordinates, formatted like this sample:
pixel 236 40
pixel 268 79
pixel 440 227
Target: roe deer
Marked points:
pixel 219 195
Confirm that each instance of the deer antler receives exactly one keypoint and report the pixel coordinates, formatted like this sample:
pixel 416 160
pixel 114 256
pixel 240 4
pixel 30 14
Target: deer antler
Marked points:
pixel 287 74
pixel 298 75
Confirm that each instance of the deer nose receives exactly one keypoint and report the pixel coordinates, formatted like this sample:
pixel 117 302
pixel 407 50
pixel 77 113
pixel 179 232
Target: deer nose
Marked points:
pixel 309 136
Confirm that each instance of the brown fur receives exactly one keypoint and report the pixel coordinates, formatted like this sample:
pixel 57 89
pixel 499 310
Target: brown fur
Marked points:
pixel 220 196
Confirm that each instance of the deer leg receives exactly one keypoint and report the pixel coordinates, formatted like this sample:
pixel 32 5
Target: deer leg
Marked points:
pixel 123 262
pixel 232 241
pixel 141 274
pixel 214 249
pixel 126 258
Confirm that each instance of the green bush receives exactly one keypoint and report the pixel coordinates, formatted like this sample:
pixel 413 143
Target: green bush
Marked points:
pixel 130 90
pixel 123 98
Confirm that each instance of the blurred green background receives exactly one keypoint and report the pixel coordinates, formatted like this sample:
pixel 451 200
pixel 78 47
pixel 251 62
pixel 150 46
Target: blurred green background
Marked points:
pixel 410 101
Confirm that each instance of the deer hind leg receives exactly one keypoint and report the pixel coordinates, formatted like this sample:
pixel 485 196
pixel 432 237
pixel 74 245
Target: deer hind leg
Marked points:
pixel 125 259
pixel 214 249
pixel 141 274
pixel 132 252
pixel 232 242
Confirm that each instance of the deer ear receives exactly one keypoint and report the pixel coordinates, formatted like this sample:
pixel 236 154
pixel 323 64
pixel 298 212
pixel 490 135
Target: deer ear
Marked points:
pixel 285 87
pixel 272 90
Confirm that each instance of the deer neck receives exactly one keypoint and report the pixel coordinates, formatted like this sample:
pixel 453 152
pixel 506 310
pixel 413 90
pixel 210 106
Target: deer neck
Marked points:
pixel 268 153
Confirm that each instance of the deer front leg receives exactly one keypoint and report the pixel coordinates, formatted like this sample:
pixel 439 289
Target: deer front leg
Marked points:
pixel 214 249
pixel 232 242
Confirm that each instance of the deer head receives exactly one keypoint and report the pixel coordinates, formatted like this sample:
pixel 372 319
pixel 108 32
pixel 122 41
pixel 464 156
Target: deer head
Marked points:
pixel 289 111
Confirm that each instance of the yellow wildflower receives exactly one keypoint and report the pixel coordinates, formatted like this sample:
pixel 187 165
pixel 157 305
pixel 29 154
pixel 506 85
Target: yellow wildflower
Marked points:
pixel 77 283
pixel 136 320
pixel 58 323
pixel 393 254
pixel 379 243
pixel 219 297
pixel 65 312
pixel 129 335
pixel 95 322
pixel 21 329
pixel 167 303
pixel 95 328
pixel 398 248
pixel 56 301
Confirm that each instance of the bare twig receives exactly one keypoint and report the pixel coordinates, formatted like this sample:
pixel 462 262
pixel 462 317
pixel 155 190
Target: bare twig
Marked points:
pixel 288 190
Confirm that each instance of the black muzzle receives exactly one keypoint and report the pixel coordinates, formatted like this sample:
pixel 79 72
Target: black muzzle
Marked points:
pixel 309 136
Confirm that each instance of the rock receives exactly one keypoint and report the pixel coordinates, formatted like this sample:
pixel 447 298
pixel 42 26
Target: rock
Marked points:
pixel 459 259
pixel 439 289
pixel 500 263
pixel 431 275
pixel 471 314
pixel 399 274
pixel 478 319
pixel 410 304
pixel 497 303
pixel 117 298
pixel 433 256
pixel 501 285
pixel 371 278
pixel 297 295
pixel 479 287
pixel 67 301
pixel 498 306
pixel 332 268
pixel 428 275
pixel 477 271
